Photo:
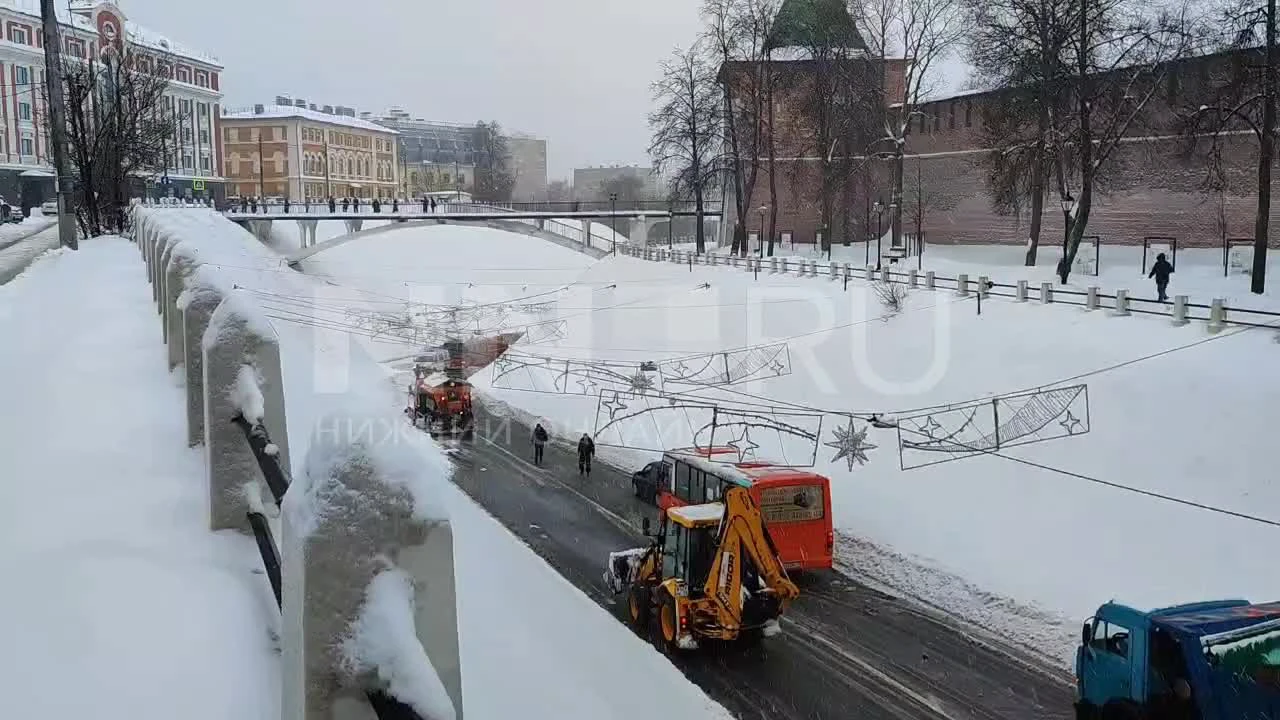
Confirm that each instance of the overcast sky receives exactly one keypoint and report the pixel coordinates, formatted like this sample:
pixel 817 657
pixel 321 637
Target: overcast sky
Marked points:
pixel 572 71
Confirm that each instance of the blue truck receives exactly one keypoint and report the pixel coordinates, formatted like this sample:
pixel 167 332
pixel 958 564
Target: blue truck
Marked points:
pixel 1201 661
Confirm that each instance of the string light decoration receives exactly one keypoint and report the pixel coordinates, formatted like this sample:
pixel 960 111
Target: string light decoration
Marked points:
pixel 986 426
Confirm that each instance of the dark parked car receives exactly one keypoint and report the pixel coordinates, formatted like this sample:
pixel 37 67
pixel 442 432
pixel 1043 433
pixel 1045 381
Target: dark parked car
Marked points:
pixel 648 480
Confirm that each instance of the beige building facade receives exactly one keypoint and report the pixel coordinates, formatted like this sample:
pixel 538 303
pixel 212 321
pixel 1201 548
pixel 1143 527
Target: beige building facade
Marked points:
pixel 303 154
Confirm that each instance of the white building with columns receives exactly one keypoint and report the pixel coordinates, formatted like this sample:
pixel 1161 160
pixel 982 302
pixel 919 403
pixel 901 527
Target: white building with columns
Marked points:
pixel 87 27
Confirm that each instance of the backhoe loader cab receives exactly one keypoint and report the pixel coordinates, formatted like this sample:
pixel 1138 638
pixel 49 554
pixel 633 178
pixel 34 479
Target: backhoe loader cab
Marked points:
pixel 710 572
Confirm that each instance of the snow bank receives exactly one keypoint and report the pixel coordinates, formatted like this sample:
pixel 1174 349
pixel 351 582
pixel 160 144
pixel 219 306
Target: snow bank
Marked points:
pixel 247 394
pixel 118 601
pixel 384 641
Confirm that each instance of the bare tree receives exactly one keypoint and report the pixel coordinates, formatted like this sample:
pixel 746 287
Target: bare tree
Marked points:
pixel 1017 48
pixel 1116 63
pixel 688 128
pixel 493 178
pixel 737 33
pixel 922 33
pixel 120 127
pixel 1246 103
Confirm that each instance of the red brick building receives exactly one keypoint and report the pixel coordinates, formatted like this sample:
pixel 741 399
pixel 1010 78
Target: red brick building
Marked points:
pixel 1155 187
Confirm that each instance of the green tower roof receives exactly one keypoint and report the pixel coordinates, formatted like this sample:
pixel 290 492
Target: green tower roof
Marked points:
pixel 814 23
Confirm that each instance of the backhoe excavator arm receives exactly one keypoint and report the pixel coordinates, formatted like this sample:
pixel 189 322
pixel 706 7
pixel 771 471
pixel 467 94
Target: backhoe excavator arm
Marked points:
pixel 742 532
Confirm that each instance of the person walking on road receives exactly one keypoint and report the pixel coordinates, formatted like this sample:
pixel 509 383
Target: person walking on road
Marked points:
pixel 1161 270
pixel 586 449
pixel 539 442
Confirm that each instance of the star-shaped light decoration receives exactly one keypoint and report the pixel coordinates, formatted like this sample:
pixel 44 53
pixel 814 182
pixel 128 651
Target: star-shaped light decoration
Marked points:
pixel 1070 423
pixel 777 367
pixel 850 444
pixel 680 368
pixel 930 427
pixel 588 385
pixel 744 445
pixel 614 405
pixel 501 364
pixel 641 383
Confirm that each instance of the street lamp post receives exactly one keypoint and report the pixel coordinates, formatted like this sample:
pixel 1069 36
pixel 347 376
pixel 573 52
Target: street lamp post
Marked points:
pixel 671 223
pixel 893 216
pixel 879 208
pixel 613 223
pixel 261 193
pixel 760 238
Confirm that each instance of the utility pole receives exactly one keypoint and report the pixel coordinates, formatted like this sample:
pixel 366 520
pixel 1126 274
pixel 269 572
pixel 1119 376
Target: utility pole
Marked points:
pixel 58 125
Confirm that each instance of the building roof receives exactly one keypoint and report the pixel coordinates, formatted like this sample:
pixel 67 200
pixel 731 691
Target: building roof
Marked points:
pixel 281 112
pixel 137 34
pixel 814 23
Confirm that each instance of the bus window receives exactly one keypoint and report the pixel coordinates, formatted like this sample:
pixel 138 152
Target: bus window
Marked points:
pixel 697 485
pixel 668 477
pixel 682 481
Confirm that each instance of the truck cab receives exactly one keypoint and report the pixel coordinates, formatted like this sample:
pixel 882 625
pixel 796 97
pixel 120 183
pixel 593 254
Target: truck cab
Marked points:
pixel 1215 660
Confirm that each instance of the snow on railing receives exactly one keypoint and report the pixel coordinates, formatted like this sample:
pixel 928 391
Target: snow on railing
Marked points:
pixel 1217 315
pixel 364 575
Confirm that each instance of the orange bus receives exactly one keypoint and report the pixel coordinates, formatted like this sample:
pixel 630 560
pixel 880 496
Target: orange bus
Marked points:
pixel 795 503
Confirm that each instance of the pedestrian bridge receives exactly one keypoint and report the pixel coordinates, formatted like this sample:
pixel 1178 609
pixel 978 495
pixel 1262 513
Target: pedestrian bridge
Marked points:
pixel 599 230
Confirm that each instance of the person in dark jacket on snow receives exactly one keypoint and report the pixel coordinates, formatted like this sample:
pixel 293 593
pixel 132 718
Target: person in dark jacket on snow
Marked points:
pixel 1161 271
pixel 586 449
pixel 539 442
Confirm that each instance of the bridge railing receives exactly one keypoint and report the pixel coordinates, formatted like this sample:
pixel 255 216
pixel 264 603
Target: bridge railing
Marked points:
pixel 354 554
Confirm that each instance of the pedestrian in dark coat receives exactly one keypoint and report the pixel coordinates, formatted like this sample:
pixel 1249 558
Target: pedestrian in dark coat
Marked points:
pixel 586 450
pixel 539 442
pixel 377 205
pixel 425 205
pixel 333 204
pixel 346 203
pixel 1161 271
pixel 355 204
pixel 433 204
pixel 395 205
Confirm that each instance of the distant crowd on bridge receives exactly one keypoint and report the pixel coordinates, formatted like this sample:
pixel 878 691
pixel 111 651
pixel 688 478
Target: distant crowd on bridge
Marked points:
pixel 255 206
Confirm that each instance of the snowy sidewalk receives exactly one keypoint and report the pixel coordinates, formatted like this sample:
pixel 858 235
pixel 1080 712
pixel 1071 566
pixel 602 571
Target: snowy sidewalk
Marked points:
pixel 118 602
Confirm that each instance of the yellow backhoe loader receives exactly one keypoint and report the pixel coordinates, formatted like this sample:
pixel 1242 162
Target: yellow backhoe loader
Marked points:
pixel 710 572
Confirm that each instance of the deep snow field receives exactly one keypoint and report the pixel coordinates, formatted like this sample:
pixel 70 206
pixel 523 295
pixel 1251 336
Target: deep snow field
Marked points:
pixel 123 605
pixel 1026 543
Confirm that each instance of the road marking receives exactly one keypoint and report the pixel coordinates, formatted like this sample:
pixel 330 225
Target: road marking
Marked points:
pixel 870 669
pixel 617 519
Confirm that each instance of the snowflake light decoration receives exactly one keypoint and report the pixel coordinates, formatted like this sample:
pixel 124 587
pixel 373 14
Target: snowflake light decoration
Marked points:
pixel 850 444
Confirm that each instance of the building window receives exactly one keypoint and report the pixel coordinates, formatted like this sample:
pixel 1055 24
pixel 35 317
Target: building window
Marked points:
pixel 186 134
pixel 184 75
pixel 186 161
pixel 28 146
pixel 203 108
pixel 968 113
pixel 202 79
pixel 204 136
pixel 204 162
pixel 951 116
pixel 282 133
pixel 22 75
pixel 18 35
pixel 24 111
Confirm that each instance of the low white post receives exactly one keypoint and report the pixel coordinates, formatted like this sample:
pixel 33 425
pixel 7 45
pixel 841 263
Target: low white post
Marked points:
pixel 785 263
pixel 983 286
pixel 180 267
pixel 1046 293
pixel 1122 302
pixel 962 285
pixel 157 277
pixel 773 264
pixel 834 270
pixel 1091 298
pixel 884 274
pixel 361 558
pixel 848 271
pixel 930 281
pixel 1021 292
pixel 871 273
pixel 241 376
pixel 1217 315
pixel 913 279
pixel 1179 309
